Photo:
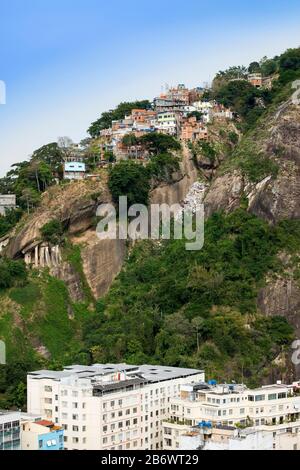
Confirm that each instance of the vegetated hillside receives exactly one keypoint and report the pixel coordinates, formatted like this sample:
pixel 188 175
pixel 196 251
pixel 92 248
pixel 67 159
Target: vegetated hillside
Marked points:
pixel 199 309
pixel 231 308
pixel 44 308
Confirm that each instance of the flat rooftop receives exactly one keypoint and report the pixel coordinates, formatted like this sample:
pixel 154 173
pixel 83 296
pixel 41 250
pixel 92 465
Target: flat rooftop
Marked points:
pixel 149 373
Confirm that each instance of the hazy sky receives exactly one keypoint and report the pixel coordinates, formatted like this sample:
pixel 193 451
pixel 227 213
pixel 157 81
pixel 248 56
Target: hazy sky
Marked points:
pixel 66 61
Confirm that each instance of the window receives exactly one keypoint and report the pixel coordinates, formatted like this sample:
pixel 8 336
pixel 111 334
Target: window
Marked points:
pixel 40 444
pixel 75 440
pixel 75 428
pixel 47 388
pixel 260 397
pixel 105 440
pixel 281 395
pixel 75 417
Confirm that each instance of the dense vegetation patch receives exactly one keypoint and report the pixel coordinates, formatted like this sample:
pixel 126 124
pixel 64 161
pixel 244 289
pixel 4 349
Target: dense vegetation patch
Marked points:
pixel 196 309
pixel 52 232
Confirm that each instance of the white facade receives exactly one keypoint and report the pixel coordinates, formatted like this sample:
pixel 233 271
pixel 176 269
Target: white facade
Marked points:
pixel 7 202
pixel 167 123
pixel 107 407
pixel 278 437
pixel 226 405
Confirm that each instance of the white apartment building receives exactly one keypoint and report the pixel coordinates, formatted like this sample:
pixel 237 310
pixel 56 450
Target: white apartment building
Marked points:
pixel 229 405
pixel 206 108
pixel 108 407
pixel 167 123
pixel 278 437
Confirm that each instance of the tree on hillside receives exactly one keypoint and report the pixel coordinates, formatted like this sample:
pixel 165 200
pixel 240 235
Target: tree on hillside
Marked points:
pixel 243 98
pixel 29 199
pixel 232 73
pixel 52 155
pixel 156 143
pixel 129 140
pixel 129 179
pixel 254 67
pixel 269 66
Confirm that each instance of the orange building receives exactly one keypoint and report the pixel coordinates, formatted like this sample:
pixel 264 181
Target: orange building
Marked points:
pixel 142 115
pixel 256 79
pixel 193 130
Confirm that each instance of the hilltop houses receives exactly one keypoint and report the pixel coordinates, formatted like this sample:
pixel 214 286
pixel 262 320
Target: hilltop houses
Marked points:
pixel 178 112
pixel 173 113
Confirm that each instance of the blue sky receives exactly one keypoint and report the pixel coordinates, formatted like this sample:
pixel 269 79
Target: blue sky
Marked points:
pixel 66 61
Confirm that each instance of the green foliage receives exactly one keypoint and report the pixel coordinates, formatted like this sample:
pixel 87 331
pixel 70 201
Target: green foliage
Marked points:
pixel 197 114
pixel 73 256
pixel 233 137
pixel 256 166
pixel 109 156
pixel 156 143
pixel 224 77
pixel 208 150
pixel 120 112
pixel 9 221
pixel 129 140
pixel 244 99
pixel 196 309
pixel 254 67
pixel 129 179
pixel 52 232
pixel 26 295
pixel 268 66
pixel 52 155
pixel 162 166
pixel 12 273
pixel 289 66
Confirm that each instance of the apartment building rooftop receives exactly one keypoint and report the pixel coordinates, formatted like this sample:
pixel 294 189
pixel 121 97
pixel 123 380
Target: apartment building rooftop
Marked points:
pixel 148 373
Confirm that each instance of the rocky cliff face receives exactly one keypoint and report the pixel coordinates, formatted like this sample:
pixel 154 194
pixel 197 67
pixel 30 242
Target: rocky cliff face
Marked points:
pixel 175 192
pixel 102 260
pixel 273 198
pixel 75 206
